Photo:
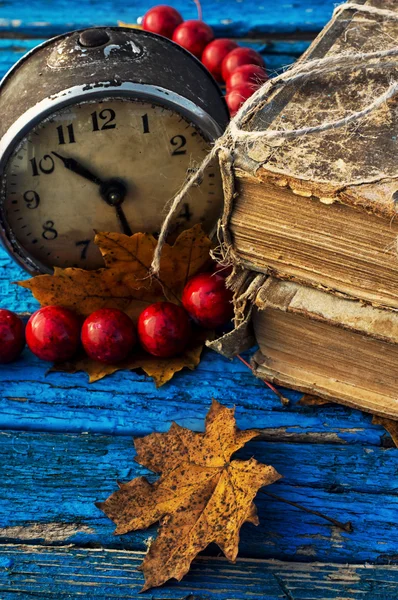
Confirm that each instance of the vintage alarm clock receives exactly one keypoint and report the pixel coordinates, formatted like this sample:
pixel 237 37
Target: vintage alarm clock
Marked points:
pixel 98 130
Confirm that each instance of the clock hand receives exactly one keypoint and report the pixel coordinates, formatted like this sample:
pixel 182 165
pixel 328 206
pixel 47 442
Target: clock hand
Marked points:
pixel 73 165
pixel 123 221
pixel 113 191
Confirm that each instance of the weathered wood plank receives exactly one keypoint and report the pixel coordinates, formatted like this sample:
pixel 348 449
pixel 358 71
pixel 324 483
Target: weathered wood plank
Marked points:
pixel 237 18
pixel 50 483
pixel 72 572
pixel 129 404
pixel 113 574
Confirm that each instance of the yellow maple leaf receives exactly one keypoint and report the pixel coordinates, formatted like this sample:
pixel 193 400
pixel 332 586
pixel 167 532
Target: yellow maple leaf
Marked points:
pixel 201 497
pixel 125 282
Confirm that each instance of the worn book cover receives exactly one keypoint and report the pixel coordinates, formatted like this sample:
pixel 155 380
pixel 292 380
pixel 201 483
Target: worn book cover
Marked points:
pixel 321 208
pixel 318 343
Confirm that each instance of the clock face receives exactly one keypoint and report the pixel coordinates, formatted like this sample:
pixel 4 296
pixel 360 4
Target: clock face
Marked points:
pixel 109 165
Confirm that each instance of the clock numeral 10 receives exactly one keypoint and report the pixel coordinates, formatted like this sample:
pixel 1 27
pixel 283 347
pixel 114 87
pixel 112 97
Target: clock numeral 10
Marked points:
pixel 107 115
pixel 46 165
pixel 49 233
pixel 69 134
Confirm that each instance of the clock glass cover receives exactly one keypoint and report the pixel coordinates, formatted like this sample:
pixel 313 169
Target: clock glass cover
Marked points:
pixel 104 165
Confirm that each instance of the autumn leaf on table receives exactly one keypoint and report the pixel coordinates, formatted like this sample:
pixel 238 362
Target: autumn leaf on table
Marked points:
pixel 126 283
pixel 201 497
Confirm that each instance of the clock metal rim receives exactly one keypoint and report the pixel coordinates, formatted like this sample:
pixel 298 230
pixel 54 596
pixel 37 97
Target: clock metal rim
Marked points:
pixel 75 95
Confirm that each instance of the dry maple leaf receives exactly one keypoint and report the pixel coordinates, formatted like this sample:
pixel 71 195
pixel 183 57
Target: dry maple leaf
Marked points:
pixel 201 497
pixel 126 283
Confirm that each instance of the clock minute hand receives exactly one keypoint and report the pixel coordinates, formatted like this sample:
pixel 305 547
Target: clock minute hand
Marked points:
pixel 73 165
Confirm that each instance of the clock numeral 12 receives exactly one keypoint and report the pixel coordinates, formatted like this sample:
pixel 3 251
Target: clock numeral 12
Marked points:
pixel 49 233
pixel 70 134
pixel 108 115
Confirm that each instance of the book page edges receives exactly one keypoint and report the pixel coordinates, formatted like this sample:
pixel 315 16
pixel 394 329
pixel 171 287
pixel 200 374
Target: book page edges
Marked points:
pixel 378 198
pixel 326 387
pixel 352 315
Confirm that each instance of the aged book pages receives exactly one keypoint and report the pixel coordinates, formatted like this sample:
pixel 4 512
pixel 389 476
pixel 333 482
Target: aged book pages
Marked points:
pixel 336 348
pixel 337 247
pixel 321 208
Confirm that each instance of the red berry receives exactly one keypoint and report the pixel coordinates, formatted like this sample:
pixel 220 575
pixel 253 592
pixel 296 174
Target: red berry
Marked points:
pixel 12 336
pixel 108 335
pixel 247 75
pixel 164 329
pixel 53 333
pixel 193 36
pixel 162 19
pixel 214 54
pixel 239 57
pixel 237 96
pixel 207 300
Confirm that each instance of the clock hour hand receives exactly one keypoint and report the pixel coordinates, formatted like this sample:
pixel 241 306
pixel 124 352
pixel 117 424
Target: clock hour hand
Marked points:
pixel 73 165
pixel 123 221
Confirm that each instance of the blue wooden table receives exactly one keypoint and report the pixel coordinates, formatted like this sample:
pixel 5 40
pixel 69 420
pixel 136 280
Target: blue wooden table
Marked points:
pixel 64 443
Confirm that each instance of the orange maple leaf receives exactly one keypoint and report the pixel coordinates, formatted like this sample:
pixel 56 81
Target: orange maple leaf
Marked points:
pixel 201 497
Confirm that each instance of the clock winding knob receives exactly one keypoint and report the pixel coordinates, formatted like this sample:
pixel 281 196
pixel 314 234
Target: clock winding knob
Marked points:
pixel 92 38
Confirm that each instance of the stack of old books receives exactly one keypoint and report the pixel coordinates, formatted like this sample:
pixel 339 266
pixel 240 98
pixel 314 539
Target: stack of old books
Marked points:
pixel 317 213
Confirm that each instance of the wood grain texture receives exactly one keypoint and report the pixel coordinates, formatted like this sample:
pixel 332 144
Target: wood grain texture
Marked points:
pixel 332 458
pixel 74 572
pixel 237 18
pixel 129 404
pixel 50 483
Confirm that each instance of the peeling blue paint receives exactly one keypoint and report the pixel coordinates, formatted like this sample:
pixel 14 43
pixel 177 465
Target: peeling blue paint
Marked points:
pixel 332 458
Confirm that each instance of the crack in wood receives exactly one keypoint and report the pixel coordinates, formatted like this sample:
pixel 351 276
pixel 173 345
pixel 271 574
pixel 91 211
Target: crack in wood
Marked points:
pixel 48 532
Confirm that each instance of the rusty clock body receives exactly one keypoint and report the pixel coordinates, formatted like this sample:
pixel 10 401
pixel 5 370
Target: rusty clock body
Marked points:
pixel 98 131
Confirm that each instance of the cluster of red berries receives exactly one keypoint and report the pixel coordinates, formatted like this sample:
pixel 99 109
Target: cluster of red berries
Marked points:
pixel 242 69
pixel 108 335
